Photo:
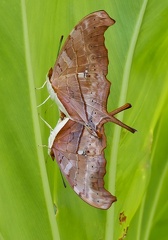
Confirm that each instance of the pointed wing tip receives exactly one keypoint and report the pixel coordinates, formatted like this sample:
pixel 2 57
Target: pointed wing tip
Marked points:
pixel 104 14
pixel 102 202
pixel 107 204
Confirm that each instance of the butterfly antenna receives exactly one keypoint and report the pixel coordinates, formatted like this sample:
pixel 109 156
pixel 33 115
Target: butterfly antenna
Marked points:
pixel 60 43
pixel 62 179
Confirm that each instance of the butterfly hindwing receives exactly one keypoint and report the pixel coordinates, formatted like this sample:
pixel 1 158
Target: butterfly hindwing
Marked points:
pixel 81 159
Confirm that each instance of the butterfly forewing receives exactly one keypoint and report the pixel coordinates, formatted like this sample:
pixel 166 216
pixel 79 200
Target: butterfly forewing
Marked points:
pixel 84 46
pixel 78 76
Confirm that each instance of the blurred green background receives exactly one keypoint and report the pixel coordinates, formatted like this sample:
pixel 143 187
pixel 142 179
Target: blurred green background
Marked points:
pixel 31 189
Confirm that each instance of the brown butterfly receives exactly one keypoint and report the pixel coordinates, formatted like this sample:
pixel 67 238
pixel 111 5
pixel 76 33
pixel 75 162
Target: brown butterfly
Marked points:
pixel 78 81
pixel 79 86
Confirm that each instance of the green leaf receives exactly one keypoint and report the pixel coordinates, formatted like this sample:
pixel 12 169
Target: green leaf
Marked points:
pixel 31 186
pixel 26 210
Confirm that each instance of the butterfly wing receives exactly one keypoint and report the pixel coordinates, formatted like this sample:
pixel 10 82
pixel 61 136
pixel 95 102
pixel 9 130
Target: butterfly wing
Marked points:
pixel 79 75
pixel 81 159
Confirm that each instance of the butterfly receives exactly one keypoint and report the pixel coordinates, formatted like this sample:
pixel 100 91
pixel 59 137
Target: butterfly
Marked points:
pixel 79 86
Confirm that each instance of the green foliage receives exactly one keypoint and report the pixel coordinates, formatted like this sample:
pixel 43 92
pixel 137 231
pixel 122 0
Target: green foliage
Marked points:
pixel 137 165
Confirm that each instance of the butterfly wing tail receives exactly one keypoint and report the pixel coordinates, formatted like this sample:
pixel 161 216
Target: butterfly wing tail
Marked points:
pixel 110 117
pixel 121 124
